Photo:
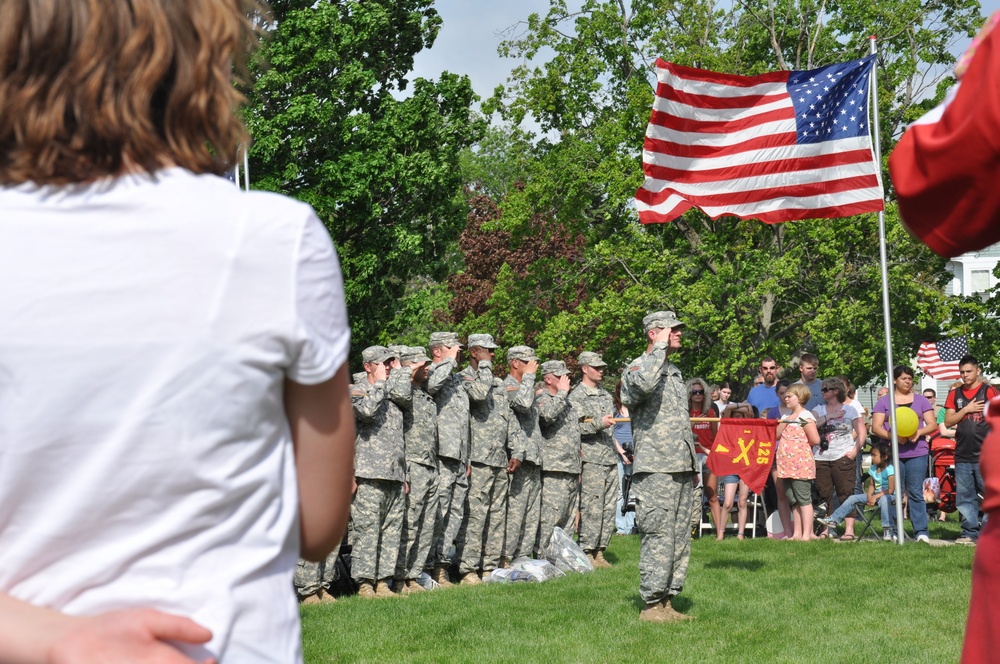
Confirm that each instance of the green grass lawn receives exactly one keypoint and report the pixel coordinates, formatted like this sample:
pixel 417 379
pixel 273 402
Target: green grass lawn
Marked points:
pixel 754 601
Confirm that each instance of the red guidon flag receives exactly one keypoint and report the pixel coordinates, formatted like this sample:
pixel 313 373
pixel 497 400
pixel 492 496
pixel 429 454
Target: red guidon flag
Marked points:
pixel 744 447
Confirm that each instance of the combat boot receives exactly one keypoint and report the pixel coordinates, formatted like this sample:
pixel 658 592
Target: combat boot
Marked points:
pixel 312 599
pixel 600 560
pixel 413 587
pixel 383 589
pixel 672 614
pixel 366 589
pixel 440 576
pixel 471 579
pixel 504 563
pixel 326 598
pixel 653 612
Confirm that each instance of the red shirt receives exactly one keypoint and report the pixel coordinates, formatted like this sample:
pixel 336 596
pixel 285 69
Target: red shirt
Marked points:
pixel 703 436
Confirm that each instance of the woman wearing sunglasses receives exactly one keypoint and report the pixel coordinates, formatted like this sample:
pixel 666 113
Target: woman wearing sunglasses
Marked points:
pixel 841 434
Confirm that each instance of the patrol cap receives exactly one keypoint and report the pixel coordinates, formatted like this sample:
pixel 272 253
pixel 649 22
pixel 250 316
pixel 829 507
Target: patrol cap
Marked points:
pixel 589 359
pixel 523 353
pixel 481 340
pixel 555 367
pixel 661 319
pixel 376 354
pixel 448 339
pixel 397 350
pixel 414 355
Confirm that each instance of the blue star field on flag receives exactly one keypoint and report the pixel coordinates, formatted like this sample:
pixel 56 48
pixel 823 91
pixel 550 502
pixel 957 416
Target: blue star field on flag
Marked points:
pixel 831 102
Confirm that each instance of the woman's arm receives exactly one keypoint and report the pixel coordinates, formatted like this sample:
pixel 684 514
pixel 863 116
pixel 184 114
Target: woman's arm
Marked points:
pixel 34 635
pixel 878 426
pixel 322 425
pixel 860 436
pixel 930 425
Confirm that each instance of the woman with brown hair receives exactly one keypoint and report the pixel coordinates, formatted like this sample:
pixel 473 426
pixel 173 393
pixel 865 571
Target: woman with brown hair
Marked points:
pixel 174 419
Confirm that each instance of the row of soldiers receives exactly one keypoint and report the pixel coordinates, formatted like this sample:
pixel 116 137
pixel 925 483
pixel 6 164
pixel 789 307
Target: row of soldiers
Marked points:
pixel 460 463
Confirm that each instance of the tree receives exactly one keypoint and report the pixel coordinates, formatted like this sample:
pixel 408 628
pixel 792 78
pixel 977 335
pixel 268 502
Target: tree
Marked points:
pixel 745 289
pixel 382 172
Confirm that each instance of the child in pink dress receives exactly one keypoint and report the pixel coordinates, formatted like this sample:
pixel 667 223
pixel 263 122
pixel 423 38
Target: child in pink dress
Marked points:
pixel 797 434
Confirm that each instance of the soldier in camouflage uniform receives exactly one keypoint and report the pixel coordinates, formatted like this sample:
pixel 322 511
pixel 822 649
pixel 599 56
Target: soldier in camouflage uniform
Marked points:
pixel 453 448
pixel 313 580
pixel 377 511
pixel 420 435
pixel 524 495
pixel 560 426
pixel 491 422
pixel 664 468
pixel 599 475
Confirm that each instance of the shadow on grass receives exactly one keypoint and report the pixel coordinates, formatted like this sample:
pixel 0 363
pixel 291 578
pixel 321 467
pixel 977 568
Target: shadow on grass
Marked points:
pixel 748 565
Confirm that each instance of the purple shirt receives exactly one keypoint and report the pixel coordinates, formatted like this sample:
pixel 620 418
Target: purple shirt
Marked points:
pixel 921 405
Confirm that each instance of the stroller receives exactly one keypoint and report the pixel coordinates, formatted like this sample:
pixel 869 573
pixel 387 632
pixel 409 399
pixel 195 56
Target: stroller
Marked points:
pixel 628 502
pixel 943 474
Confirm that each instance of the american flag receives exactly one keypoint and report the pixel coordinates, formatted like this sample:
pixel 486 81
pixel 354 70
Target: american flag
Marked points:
pixel 776 147
pixel 940 360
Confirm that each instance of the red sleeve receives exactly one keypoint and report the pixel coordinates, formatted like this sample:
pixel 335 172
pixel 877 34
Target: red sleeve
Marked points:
pixel 992 393
pixel 949 402
pixel 947 173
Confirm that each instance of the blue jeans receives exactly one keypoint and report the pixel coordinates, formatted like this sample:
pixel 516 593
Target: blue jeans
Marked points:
pixel 846 509
pixel 912 473
pixel 968 487
pixel 623 524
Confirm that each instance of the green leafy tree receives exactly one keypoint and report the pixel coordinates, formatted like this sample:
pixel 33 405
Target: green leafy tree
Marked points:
pixel 382 172
pixel 746 289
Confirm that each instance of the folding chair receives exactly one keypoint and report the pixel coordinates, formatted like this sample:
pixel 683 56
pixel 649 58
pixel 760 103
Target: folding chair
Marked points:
pixel 866 519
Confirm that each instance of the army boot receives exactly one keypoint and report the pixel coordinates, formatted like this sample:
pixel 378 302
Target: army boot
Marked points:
pixel 312 599
pixel 383 589
pixel 366 588
pixel 470 579
pixel 672 614
pixel 600 560
pixel 653 612
pixel 440 576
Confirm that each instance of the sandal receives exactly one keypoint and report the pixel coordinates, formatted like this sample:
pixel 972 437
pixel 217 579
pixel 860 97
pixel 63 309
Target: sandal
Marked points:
pixel 847 538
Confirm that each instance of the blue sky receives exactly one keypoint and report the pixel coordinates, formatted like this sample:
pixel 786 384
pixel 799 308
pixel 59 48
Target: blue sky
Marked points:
pixel 472 30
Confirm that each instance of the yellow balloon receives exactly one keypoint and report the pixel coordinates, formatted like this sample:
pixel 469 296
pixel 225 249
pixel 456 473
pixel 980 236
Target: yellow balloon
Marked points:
pixel 907 421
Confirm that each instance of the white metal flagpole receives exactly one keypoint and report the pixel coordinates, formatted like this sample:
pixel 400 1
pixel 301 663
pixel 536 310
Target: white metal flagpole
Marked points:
pixel 885 304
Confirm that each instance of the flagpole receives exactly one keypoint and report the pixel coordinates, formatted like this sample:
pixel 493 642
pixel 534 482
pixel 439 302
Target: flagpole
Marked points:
pixel 885 304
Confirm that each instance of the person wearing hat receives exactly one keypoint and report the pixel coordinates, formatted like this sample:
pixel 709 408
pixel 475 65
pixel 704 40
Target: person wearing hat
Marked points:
pixel 559 424
pixel 380 470
pixel 453 448
pixel 493 431
pixel 524 496
pixel 664 466
pixel 599 472
pixel 421 441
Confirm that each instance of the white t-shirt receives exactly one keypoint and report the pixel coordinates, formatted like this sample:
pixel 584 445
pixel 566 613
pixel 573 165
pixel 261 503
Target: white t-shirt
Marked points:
pixel 146 328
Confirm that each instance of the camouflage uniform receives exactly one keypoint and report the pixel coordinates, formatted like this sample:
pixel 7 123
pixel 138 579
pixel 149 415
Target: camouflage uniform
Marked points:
pixel 378 508
pixel 490 423
pixel 310 578
pixel 559 425
pixel 420 434
pixel 599 475
pixel 524 495
pixel 453 452
pixel 664 467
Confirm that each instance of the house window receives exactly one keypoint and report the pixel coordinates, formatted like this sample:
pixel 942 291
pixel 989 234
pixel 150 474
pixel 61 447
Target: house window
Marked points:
pixel 980 281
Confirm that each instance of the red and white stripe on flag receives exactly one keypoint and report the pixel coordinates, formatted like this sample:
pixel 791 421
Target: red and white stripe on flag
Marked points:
pixel 940 359
pixel 777 147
